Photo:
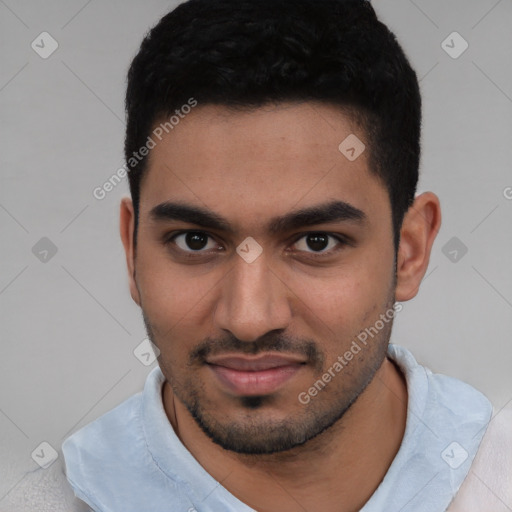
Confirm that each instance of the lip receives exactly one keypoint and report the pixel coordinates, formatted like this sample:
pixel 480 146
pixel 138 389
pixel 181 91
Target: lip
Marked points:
pixel 249 376
pixel 254 363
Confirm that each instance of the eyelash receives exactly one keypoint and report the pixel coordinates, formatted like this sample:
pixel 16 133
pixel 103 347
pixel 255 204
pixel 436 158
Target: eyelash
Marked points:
pixel 342 242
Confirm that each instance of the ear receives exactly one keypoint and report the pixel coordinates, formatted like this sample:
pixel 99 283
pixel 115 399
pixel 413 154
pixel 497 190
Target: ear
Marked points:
pixel 419 229
pixel 126 225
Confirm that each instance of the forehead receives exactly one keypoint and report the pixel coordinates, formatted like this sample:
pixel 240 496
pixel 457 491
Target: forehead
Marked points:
pixel 263 162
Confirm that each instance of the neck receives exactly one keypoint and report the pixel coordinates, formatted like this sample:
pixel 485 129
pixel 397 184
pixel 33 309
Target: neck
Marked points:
pixel 338 470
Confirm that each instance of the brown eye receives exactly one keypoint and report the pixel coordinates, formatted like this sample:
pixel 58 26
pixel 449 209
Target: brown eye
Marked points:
pixel 317 242
pixel 321 243
pixel 194 241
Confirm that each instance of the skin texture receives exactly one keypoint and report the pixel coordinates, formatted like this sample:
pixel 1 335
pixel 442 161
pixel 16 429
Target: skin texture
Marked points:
pixel 250 167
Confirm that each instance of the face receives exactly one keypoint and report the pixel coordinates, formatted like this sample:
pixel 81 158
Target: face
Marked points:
pixel 262 253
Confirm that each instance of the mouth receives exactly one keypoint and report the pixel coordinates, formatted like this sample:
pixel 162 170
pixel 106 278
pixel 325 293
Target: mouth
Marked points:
pixel 250 376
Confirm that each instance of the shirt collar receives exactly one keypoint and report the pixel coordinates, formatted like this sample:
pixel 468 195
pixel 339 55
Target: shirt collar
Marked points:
pixel 446 421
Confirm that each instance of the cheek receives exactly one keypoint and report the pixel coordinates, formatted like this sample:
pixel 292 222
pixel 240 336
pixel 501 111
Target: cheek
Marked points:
pixel 338 306
pixel 351 289
pixel 343 308
pixel 174 300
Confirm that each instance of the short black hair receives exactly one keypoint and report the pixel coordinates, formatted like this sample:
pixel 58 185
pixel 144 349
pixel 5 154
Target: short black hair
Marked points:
pixel 248 53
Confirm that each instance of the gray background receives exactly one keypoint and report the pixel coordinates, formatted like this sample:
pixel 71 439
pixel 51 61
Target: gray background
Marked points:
pixel 68 325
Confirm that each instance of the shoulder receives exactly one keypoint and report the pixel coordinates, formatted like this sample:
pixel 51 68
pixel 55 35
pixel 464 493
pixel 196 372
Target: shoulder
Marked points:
pixel 110 465
pixel 440 399
pixel 107 435
pixel 115 437
pixel 456 397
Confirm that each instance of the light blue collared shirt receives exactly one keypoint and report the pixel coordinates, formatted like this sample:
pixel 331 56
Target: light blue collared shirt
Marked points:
pixel 131 460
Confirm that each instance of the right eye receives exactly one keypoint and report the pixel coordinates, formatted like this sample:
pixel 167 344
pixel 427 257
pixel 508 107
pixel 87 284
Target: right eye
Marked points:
pixel 193 241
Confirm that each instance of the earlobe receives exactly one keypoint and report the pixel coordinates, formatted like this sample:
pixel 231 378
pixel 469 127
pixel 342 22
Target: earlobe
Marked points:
pixel 126 226
pixel 419 229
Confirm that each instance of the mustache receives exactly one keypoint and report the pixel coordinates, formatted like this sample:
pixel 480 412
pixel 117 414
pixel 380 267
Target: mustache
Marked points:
pixel 270 342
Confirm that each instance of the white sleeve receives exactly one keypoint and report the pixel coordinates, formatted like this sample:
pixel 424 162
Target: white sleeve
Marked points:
pixel 44 490
pixel 488 485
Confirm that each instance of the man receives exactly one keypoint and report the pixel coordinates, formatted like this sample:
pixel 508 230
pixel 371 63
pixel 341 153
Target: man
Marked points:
pixel 272 233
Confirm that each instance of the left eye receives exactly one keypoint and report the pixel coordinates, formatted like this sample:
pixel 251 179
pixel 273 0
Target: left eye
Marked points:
pixel 317 243
pixel 194 241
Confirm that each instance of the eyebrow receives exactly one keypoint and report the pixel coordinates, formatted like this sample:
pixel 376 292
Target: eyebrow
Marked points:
pixel 334 211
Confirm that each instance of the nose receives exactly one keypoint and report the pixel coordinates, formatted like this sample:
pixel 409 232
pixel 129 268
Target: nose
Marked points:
pixel 253 301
